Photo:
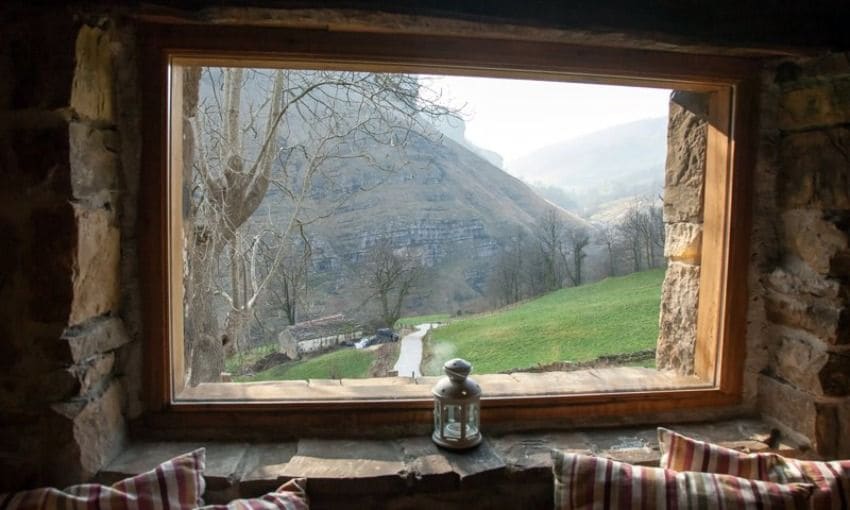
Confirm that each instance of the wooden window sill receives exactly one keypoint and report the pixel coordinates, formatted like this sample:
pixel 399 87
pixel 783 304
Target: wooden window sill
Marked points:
pixel 520 384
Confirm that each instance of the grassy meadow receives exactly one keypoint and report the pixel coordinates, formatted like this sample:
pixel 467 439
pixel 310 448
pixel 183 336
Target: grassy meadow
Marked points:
pixel 343 363
pixel 613 316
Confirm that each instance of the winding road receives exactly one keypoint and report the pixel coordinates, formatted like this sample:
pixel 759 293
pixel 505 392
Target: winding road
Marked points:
pixel 410 354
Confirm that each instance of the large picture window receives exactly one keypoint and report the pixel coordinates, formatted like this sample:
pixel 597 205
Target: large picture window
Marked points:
pixel 338 218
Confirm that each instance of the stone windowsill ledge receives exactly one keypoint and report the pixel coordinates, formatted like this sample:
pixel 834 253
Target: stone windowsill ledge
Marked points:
pixel 598 380
pixel 414 465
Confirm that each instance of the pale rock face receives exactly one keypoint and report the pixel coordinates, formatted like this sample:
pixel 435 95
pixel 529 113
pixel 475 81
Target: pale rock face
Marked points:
pixel 678 317
pixel 683 194
pixel 685 166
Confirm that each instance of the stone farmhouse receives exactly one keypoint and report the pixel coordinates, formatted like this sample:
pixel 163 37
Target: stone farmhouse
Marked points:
pixel 317 335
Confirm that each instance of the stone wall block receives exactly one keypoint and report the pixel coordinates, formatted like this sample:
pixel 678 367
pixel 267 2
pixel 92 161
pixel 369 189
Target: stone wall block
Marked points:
pixel 128 367
pixel 677 328
pixel 814 239
pixel 809 367
pixel 819 420
pixel 92 95
pixel 827 319
pixel 96 270
pixel 96 336
pixel 683 242
pixel 821 103
pixel 787 405
pixel 815 169
pixel 49 261
pixel 94 372
pixel 98 430
pixel 685 165
pixel 95 164
pixel 795 277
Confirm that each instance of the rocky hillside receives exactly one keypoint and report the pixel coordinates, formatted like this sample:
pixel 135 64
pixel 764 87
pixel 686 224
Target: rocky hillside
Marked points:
pixel 443 202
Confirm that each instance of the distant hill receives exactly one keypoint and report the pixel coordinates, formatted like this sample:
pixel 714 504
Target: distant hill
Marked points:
pixel 614 163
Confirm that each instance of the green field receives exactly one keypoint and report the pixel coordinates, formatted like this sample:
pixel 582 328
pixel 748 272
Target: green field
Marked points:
pixel 613 316
pixel 344 363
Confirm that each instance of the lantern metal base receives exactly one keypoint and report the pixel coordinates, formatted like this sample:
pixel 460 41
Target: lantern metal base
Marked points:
pixel 456 445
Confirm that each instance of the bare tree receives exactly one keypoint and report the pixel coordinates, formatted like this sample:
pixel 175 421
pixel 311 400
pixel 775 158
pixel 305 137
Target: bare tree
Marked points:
pixel 573 255
pixel 630 231
pixel 656 234
pixel 550 234
pixel 247 132
pixel 507 283
pixel 608 236
pixel 390 276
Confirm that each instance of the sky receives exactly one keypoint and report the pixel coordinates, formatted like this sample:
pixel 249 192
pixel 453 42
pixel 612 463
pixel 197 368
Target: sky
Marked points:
pixel 516 117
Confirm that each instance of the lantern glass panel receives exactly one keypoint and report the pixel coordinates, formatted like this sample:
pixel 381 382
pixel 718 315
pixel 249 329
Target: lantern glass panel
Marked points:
pixel 453 425
pixel 472 419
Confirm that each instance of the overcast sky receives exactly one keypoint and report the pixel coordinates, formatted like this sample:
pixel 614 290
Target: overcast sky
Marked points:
pixel 515 117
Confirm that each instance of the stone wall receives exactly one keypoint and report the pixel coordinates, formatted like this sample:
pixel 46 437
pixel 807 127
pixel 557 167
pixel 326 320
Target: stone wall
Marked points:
pixel 684 183
pixel 62 338
pixel 805 384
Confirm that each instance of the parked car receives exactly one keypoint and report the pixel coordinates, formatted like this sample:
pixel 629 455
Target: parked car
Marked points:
pixel 382 336
pixel 386 335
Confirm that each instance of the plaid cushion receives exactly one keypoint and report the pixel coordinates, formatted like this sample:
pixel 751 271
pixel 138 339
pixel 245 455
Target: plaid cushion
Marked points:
pixel 584 482
pixel 173 485
pixel 290 496
pixel 831 479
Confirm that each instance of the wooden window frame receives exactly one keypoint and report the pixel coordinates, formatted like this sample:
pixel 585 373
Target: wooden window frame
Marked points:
pixel 720 348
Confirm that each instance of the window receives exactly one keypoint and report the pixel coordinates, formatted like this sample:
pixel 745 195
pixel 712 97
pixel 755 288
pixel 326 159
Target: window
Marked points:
pixel 204 118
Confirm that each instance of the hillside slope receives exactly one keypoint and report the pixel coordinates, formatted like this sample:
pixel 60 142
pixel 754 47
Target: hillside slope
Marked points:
pixel 614 316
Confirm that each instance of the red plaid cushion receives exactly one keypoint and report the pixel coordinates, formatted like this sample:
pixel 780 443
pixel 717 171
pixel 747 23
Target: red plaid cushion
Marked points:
pixel 290 496
pixel 832 479
pixel 173 485
pixel 584 482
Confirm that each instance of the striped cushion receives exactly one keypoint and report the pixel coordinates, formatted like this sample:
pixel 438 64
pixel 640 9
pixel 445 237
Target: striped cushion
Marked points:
pixel 173 485
pixel 832 479
pixel 290 496
pixel 681 453
pixel 584 482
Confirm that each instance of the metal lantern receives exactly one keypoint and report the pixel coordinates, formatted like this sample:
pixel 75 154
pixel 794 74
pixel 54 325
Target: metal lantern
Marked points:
pixel 457 401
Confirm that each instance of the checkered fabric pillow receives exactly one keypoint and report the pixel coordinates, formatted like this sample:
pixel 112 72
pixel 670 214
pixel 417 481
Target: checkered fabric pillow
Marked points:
pixel 290 496
pixel 584 482
pixel 831 479
pixel 173 485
